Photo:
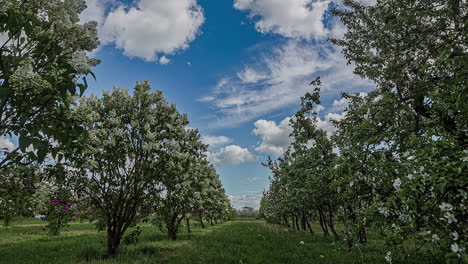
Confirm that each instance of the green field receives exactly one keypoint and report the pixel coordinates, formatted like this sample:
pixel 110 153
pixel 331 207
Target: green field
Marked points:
pixel 241 241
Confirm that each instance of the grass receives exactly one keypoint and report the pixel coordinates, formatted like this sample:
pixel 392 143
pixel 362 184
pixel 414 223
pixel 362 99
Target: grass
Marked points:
pixel 241 241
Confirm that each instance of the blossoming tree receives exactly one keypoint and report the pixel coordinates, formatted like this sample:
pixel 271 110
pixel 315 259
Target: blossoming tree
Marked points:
pixel 127 135
pixel 42 63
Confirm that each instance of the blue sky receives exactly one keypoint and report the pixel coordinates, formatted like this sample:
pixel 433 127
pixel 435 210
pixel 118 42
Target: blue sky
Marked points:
pixel 238 68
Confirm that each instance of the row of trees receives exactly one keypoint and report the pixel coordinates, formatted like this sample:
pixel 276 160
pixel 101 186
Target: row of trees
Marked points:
pixel 398 159
pixel 115 159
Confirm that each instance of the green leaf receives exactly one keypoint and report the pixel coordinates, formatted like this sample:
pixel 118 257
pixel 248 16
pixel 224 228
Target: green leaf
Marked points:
pixel 92 74
pixel 24 142
pixel 4 92
pixel 41 152
pixel 82 88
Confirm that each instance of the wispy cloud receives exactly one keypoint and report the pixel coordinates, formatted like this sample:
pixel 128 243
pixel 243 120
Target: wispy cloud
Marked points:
pixel 214 141
pixel 279 80
pixel 249 199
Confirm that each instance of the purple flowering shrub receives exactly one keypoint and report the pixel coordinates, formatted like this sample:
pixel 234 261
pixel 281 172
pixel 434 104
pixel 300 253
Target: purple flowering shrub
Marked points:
pixel 59 215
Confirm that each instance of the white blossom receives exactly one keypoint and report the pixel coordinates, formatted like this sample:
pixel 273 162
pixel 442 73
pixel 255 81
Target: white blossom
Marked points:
pixel 454 247
pixel 446 207
pixel 388 257
pixel 384 211
pixel 80 62
pixel 397 184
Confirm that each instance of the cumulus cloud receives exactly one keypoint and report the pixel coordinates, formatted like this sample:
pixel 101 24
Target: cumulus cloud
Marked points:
pixel 292 18
pixel 231 154
pixel 286 73
pixel 213 141
pixel 152 27
pixel 6 144
pixel 95 11
pixel 327 124
pixel 164 60
pixel 274 138
pixel 303 19
pixel 250 199
pixel 340 104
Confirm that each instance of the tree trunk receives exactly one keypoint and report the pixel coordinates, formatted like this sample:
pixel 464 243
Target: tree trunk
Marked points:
pixel 188 225
pixel 286 222
pixel 7 220
pixel 362 235
pixel 296 221
pixel 331 224
pixel 211 221
pixel 323 224
pixel 113 241
pixel 216 221
pixel 201 221
pixel 172 231
pixel 303 222
pixel 309 226
pixel 346 228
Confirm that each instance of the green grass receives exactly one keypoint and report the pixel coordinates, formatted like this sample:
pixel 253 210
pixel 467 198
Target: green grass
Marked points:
pixel 240 241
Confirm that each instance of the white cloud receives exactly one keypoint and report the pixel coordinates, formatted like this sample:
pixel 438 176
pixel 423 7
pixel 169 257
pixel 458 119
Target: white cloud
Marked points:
pixel 3 38
pixel 152 27
pixel 249 75
pixel 231 154
pixel 251 199
pixel 327 124
pixel 340 105
pixel 164 60
pixel 286 75
pixel 254 179
pixel 291 18
pixel 95 11
pixel 6 144
pixel 213 141
pixel 303 19
pixel 274 137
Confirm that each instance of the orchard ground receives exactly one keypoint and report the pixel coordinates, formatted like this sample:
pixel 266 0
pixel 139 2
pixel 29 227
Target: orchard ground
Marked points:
pixel 240 241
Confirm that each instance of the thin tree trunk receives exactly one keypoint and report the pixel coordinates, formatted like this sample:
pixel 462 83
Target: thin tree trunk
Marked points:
pixel 323 224
pixel 188 225
pixel 346 227
pixel 331 224
pixel 309 226
pixel 362 235
pixel 201 221
pixel 303 222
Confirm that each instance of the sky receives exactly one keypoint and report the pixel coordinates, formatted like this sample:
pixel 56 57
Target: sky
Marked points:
pixel 237 67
